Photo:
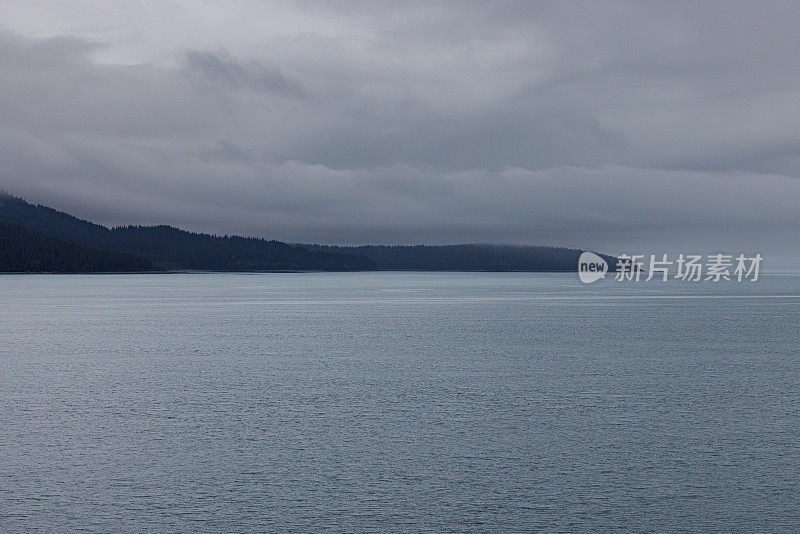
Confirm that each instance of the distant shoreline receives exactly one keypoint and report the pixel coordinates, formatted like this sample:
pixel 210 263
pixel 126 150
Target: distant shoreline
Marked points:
pixel 275 272
pixel 38 239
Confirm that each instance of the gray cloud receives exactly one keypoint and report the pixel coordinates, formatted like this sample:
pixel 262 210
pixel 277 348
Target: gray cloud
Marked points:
pixel 610 125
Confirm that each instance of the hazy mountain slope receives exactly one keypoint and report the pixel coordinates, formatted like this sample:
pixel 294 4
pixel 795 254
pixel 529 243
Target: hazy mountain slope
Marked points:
pixel 468 257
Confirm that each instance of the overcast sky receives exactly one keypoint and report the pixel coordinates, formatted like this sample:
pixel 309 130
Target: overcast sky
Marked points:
pixel 623 127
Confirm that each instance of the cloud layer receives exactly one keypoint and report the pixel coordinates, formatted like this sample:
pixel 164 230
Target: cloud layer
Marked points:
pixel 604 125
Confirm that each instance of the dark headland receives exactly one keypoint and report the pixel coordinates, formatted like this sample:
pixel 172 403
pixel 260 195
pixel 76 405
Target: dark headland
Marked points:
pixel 36 238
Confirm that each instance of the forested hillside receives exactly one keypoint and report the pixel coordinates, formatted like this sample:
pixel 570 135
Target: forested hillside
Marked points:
pixel 178 249
pixel 23 250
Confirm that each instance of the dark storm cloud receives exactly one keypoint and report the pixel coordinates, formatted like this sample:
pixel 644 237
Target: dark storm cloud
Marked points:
pixel 221 67
pixel 608 125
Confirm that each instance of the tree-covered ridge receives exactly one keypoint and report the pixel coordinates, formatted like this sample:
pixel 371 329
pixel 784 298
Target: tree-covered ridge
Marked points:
pixel 468 257
pixel 178 249
pixel 23 250
pixel 48 221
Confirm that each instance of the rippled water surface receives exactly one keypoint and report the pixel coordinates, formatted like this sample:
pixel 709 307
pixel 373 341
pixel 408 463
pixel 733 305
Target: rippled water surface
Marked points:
pixel 397 401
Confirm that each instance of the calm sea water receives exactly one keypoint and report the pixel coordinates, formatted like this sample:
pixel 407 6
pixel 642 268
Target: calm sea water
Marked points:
pixel 397 402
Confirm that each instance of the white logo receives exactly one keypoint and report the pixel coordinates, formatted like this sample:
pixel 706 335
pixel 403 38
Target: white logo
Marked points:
pixel 591 267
